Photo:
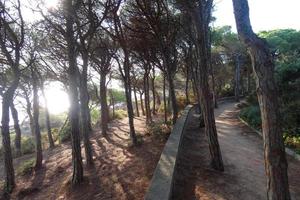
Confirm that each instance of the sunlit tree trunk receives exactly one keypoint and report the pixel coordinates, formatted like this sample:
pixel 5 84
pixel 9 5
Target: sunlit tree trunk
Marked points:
pixel 77 176
pixel 263 66
pixel 237 78
pixel 165 100
pixel 85 111
pixel 15 116
pixel 200 14
pixel 103 102
pixel 142 104
pixel 36 125
pixel 136 102
pixel 47 115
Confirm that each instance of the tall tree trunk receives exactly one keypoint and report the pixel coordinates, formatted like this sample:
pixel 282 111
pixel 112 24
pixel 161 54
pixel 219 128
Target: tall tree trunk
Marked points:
pixel 263 66
pixel 172 95
pixel 112 102
pixel 28 110
pixel 165 99
pixel 14 114
pixel 248 81
pixel 85 112
pixel 237 78
pixel 200 15
pixel 187 85
pixel 7 99
pixel 147 98
pixel 77 176
pixel 136 102
pixel 142 104
pixel 47 115
pixel 153 91
pixel 127 84
pixel 103 102
pixel 36 125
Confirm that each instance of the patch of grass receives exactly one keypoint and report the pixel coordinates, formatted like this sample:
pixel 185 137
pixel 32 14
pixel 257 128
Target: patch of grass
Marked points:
pixel 120 114
pixel 26 167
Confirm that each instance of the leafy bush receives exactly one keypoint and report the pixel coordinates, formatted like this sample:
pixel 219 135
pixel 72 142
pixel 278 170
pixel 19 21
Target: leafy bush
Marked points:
pixel 181 102
pixel 119 114
pixel 251 115
pixel 65 132
pixel 159 129
pixel 95 116
pixel 27 145
pixel 26 167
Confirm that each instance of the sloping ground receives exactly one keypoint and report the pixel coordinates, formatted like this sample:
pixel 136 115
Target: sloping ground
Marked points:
pixel 120 172
pixel 242 151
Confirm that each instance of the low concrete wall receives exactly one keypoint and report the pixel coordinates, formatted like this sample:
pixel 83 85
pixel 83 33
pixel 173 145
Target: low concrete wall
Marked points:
pixel 162 181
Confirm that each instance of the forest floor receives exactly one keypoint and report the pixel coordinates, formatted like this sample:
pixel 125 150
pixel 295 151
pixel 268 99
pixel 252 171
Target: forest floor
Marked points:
pixel 120 172
pixel 242 152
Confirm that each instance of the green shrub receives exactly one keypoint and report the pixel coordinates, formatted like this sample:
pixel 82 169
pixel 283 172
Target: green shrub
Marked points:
pixel 119 114
pixel 27 145
pixel 95 116
pixel 251 115
pixel 292 142
pixel 26 167
pixel 159 129
pixel 65 132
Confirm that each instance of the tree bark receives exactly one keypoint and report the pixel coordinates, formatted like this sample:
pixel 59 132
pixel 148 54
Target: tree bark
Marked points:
pixel 14 114
pixel 237 78
pixel 165 99
pixel 136 102
pixel 77 176
pixel 103 102
pixel 263 66
pixel 36 125
pixel 200 15
pixel 47 115
pixel 147 98
pixel 172 96
pixel 7 99
pixel 153 91
pixel 142 104
pixel 28 110
pixel 85 112
pixel 187 85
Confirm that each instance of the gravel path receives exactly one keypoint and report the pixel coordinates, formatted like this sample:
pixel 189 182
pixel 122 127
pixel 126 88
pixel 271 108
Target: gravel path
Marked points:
pixel 242 151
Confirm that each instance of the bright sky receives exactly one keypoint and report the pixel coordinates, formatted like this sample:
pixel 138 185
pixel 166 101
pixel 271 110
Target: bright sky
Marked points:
pixel 264 14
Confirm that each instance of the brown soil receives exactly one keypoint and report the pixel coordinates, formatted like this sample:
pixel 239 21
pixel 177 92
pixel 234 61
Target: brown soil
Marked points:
pixel 120 172
pixel 242 151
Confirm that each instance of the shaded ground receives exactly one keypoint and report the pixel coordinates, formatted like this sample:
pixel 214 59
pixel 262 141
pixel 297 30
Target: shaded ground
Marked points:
pixel 121 172
pixel 242 151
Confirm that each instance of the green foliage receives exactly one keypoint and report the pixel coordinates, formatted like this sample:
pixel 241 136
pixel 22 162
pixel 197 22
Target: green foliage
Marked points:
pixel 56 120
pixel 95 115
pixel 119 96
pixel 27 145
pixel 181 102
pixel 65 132
pixel 119 114
pixel 159 129
pixel 252 115
pixel 26 167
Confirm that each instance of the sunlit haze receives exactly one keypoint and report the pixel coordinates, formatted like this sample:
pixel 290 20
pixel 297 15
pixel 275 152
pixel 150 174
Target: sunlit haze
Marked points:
pixel 57 98
pixel 264 14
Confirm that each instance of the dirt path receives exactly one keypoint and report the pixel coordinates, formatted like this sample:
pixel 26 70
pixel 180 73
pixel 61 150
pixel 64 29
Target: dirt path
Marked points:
pixel 242 151
pixel 121 172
